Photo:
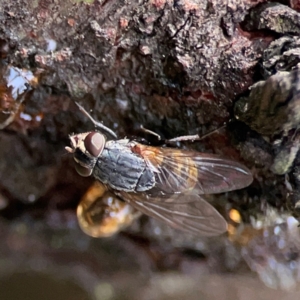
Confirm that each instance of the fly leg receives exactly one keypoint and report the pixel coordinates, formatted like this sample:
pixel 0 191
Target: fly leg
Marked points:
pixel 183 138
pixel 148 131
pixel 149 137
pixel 192 138
pixel 96 123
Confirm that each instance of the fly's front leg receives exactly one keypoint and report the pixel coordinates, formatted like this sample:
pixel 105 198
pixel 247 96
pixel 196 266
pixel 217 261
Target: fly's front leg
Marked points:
pixel 96 123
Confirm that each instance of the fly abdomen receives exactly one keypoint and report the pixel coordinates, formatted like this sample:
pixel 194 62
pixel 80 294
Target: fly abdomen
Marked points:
pixel 146 181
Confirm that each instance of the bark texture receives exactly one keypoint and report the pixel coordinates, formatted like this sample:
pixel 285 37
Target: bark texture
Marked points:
pixel 175 67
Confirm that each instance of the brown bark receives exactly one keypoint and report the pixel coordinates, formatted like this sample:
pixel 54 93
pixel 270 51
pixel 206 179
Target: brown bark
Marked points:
pixel 176 68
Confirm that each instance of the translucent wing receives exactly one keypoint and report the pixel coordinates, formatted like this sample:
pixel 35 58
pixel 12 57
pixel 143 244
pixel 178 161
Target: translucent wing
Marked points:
pixel 181 171
pixel 193 215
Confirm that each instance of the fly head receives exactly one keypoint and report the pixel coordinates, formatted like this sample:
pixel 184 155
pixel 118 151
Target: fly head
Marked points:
pixel 86 148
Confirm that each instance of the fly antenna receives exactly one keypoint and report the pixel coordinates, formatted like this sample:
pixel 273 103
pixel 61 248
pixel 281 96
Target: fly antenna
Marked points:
pixel 96 124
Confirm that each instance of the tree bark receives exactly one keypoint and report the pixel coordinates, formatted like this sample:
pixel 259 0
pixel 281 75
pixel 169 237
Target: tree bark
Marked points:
pixel 176 68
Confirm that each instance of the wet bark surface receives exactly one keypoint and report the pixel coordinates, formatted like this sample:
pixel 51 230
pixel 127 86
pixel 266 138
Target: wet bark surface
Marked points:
pixel 177 68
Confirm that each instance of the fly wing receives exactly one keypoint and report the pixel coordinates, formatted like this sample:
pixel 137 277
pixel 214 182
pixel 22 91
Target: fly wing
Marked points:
pixel 181 171
pixel 193 215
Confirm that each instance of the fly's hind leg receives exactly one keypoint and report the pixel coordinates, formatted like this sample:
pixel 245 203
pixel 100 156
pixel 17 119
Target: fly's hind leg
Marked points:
pixel 183 138
pixel 192 138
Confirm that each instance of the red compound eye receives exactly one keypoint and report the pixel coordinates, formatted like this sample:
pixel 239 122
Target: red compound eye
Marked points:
pixel 83 171
pixel 94 143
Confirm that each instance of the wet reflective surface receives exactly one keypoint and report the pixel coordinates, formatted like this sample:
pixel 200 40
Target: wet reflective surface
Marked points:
pixel 38 285
pixel 14 84
pixel 101 214
pixel 38 263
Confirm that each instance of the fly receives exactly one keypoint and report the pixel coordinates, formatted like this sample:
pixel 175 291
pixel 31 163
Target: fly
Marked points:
pixel 164 183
